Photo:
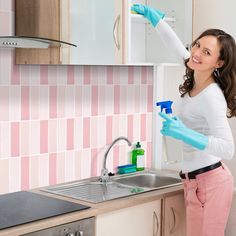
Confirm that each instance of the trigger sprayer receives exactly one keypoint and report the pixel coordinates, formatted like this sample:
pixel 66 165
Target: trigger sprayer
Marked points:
pixel 166 105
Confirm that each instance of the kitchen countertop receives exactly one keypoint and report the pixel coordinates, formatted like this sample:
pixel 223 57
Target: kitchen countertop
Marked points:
pixel 96 209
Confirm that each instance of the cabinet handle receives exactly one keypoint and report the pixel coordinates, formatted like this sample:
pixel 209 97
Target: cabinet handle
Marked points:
pixel 116 32
pixel 155 224
pixel 80 233
pixel 171 162
pixel 174 219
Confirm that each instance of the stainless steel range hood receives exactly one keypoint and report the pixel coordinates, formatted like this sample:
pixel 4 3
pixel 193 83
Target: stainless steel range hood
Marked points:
pixel 30 42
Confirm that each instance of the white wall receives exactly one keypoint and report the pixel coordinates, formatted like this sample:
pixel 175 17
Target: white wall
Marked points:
pixel 214 14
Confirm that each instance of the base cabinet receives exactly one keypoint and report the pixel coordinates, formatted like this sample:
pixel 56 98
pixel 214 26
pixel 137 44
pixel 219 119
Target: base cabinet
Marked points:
pixel 164 217
pixel 140 220
pixel 174 216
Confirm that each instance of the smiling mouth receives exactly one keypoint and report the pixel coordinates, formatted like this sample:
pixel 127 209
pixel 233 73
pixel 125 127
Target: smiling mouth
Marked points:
pixel 196 60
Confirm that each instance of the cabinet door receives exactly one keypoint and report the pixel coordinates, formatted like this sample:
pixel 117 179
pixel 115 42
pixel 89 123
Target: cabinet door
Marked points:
pixel 174 216
pixel 167 78
pixel 96 27
pixel 141 220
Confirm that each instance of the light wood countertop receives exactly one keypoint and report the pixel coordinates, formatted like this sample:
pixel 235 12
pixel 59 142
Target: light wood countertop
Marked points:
pixel 96 209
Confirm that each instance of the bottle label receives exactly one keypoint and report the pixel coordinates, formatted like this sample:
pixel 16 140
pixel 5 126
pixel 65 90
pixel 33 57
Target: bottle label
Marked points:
pixel 140 161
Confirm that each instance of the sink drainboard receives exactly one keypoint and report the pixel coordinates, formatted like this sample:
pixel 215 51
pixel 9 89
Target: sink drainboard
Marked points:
pixel 94 192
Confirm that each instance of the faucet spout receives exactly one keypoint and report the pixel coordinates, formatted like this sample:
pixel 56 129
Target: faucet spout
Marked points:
pixel 105 172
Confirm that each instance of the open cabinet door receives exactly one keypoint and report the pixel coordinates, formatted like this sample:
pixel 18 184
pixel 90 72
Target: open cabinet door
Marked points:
pixel 167 153
pixel 144 43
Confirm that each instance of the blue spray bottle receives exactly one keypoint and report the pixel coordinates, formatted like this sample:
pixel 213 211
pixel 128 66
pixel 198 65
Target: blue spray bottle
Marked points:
pixel 169 145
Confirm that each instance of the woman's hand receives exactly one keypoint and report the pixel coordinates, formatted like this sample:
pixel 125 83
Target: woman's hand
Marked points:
pixel 174 127
pixel 151 14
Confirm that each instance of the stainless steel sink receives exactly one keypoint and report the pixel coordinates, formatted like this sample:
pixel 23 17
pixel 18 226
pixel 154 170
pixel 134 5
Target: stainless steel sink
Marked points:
pixel 94 191
pixel 148 180
pixel 118 186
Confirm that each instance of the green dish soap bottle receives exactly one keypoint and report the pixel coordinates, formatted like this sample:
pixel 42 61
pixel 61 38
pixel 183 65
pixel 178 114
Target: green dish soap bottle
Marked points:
pixel 138 157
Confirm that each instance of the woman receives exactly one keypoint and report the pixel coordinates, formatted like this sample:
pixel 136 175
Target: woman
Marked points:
pixel 208 97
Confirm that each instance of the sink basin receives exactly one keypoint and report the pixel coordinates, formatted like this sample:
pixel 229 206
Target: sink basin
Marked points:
pixel 148 180
pixel 94 191
pixel 120 186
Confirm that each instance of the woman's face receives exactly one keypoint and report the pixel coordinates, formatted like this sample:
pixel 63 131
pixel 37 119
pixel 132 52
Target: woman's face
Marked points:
pixel 205 55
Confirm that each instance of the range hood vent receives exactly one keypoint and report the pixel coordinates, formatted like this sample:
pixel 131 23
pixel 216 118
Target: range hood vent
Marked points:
pixel 31 42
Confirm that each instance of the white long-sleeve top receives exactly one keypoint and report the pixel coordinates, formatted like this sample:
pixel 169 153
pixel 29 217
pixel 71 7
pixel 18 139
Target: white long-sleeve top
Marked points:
pixel 204 113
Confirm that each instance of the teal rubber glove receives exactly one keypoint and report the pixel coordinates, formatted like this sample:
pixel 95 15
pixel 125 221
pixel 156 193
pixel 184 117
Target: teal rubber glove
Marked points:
pixel 151 14
pixel 174 127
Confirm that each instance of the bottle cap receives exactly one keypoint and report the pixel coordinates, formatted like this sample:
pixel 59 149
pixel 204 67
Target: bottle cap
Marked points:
pixel 138 145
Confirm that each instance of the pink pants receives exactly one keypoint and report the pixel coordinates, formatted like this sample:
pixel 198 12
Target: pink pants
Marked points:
pixel 208 200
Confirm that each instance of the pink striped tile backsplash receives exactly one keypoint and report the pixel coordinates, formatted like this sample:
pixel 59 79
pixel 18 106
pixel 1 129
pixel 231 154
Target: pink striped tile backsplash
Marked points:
pixel 25 103
pixel 15 139
pixel 57 121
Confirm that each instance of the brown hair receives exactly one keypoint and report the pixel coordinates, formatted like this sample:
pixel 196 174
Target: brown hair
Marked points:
pixel 226 76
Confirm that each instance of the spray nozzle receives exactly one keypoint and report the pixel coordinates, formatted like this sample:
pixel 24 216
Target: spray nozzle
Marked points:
pixel 165 105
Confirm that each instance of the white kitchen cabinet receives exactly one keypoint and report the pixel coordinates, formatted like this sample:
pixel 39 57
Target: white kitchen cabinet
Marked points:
pixel 105 31
pixel 174 216
pixel 96 27
pixel 164 217
pixel 140 220
pixel 143 42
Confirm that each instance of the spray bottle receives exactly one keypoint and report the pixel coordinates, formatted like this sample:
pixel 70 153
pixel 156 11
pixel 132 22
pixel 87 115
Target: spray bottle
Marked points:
pixel 168 143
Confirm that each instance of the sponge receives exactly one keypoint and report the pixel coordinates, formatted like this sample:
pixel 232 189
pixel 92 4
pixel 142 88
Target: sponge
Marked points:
pixel 126 169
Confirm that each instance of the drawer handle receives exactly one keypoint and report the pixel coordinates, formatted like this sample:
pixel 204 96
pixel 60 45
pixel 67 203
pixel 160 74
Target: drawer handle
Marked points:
pixel 155 224
pixel 174 219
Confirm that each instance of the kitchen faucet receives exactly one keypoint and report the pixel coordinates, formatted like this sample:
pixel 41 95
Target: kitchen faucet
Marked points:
pixel 104 172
